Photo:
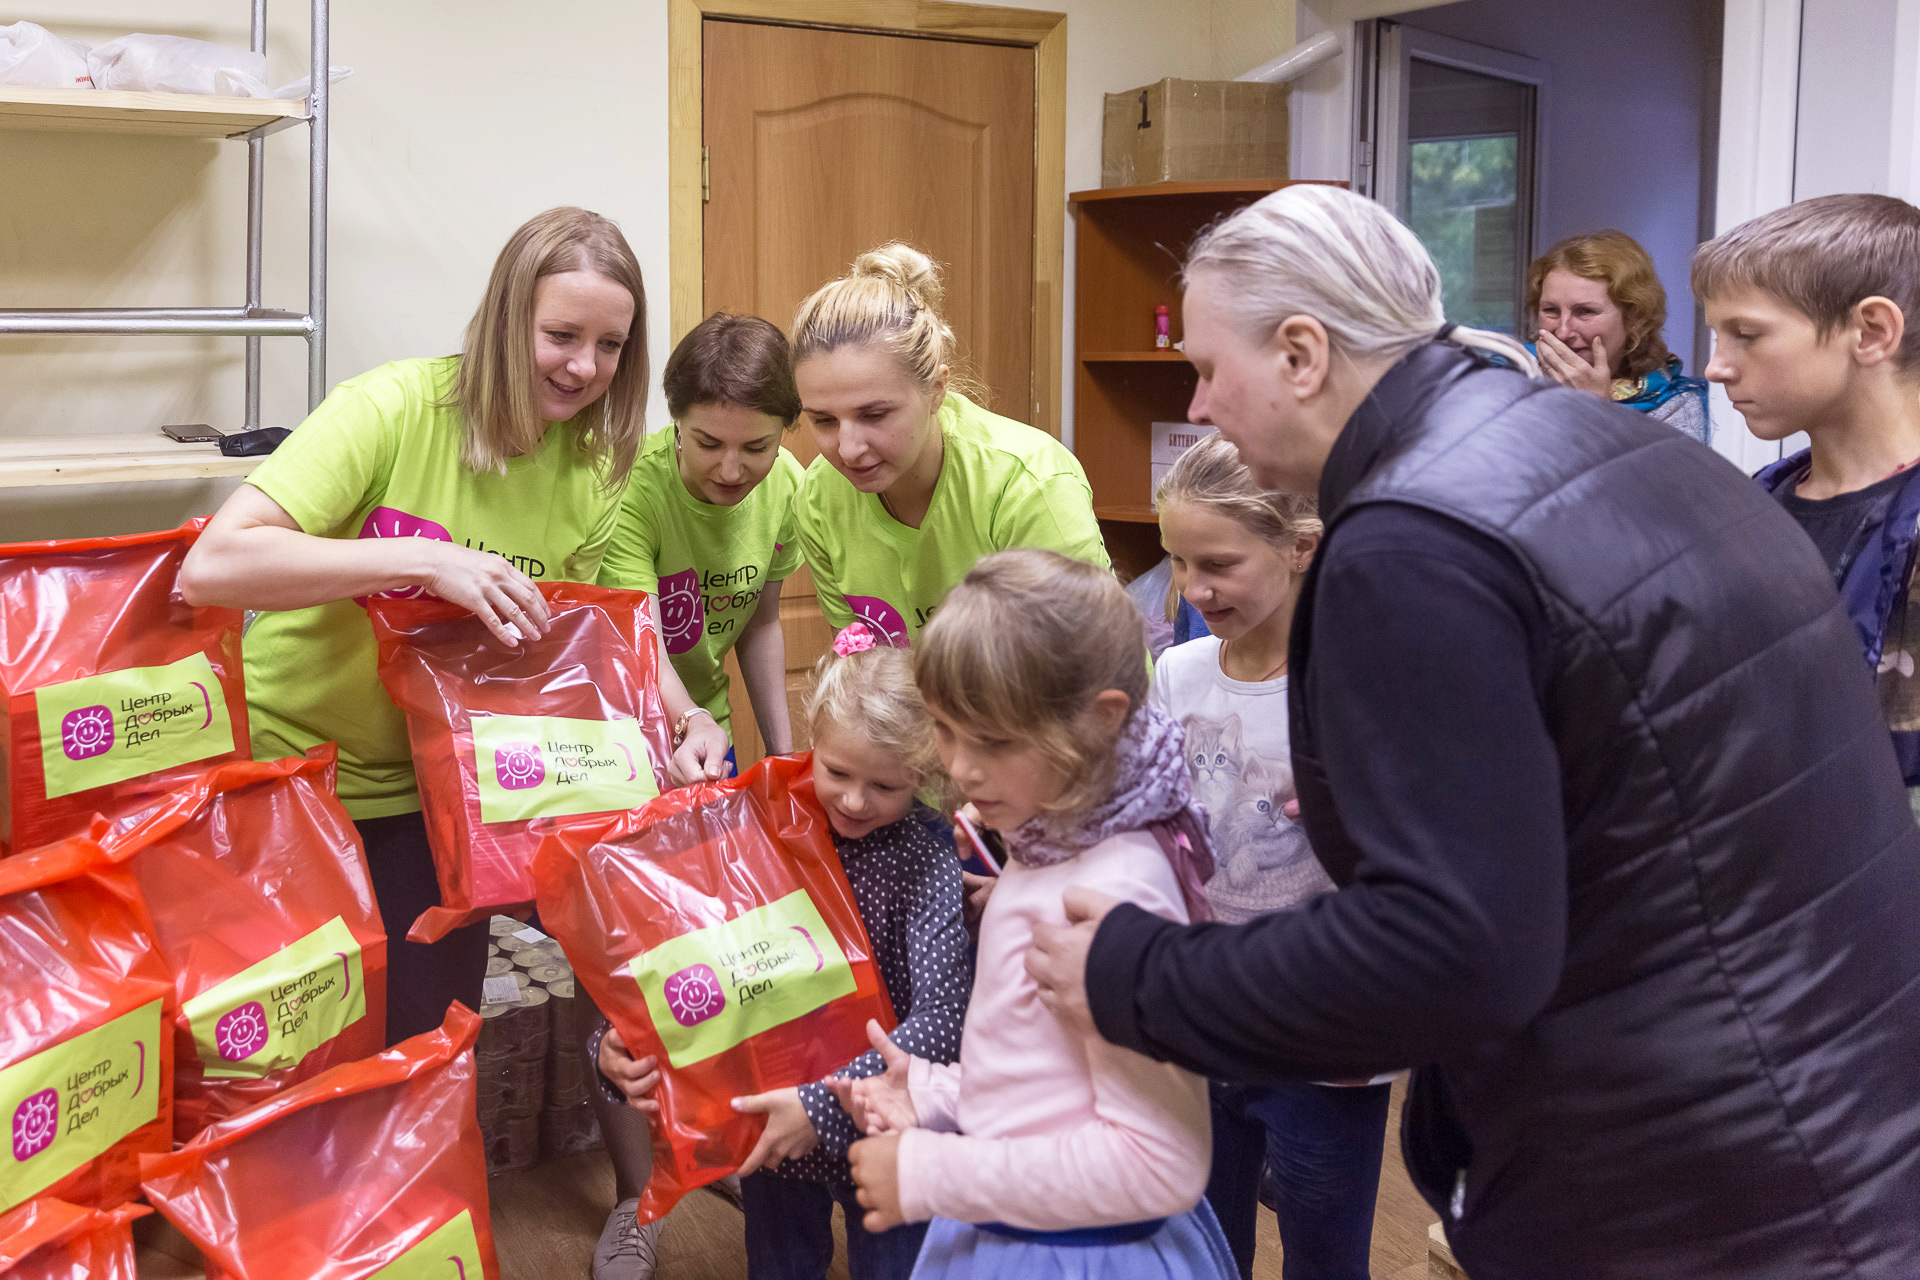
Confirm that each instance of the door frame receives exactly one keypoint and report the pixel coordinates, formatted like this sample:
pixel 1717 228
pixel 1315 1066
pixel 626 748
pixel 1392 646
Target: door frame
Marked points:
pixel 1043 32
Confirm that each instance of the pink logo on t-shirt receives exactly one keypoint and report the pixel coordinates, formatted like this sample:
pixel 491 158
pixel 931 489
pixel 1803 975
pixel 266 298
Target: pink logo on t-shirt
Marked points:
pixel 882 617
pixel 86 732
pixel 391 522
pixel 681 612
pixel 693 994
pixel 241 1032
pixel 35 1122
pixel 518 765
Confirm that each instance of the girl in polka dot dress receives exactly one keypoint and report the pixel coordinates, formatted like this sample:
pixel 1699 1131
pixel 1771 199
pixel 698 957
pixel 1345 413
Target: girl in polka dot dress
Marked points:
pixel 873 751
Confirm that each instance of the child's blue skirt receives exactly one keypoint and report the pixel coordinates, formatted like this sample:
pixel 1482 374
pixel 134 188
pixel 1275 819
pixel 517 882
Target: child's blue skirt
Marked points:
pixel 1189 1247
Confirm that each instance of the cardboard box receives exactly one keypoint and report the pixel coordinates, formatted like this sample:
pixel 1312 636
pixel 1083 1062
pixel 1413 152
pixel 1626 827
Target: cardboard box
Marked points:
pixel 1170 440
pixel 1191 130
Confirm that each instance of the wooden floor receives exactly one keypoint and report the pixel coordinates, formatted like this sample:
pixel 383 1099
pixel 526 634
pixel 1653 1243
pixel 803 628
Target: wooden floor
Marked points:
pixel 546 1221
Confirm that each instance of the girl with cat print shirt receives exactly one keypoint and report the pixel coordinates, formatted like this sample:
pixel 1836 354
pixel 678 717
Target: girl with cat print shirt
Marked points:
pixel 1240 555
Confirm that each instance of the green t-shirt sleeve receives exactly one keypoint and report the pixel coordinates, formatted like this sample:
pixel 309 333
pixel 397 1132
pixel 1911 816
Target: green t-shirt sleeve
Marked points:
pixel 631 562
pixel 587 564
pixel 323 472
pixel 1054 513
pixel 787 553
pixel 833 603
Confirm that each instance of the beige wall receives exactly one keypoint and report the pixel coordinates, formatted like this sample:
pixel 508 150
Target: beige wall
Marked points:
pixel 463 118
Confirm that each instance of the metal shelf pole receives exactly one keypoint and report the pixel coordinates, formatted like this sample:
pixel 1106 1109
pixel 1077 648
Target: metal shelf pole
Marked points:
pixel 319 92
pixel 256 226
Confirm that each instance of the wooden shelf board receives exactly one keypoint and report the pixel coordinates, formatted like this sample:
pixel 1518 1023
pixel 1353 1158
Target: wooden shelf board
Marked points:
pixel 1215 187
pixel 1134 357
pixel 1127 512
pixel 178 115
pixel 38 461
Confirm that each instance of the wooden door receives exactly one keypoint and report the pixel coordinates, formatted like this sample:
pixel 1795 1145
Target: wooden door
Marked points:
pixel 823 143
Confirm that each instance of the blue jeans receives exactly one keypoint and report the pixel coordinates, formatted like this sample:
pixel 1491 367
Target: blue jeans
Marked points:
pixel 790 1233
pixel 1323 1146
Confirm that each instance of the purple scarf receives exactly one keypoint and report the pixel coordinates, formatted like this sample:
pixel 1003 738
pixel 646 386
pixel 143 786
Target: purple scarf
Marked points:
pixel 1153 792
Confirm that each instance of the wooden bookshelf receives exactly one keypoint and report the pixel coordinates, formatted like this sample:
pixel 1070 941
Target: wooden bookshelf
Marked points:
pixel 177 115
pixel 1129 243
pixel 36 461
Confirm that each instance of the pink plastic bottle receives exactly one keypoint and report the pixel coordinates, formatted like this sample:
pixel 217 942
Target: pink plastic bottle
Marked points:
pixel 1162 329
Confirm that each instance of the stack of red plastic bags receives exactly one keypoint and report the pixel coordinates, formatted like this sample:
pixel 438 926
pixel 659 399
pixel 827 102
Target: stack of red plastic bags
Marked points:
pixel 197 955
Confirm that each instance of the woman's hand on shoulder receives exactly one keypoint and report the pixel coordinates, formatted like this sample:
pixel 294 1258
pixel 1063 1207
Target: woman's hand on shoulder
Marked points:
pixel 1057 960
pixel 498 594
pixel 1559 362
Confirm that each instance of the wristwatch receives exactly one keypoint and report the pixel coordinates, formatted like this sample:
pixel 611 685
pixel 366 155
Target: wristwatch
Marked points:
pixel 686 718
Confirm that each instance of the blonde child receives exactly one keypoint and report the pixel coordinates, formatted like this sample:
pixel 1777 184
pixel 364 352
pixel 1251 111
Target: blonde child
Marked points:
pixel 873 752
pixel 1048 1150
pixel 1240 555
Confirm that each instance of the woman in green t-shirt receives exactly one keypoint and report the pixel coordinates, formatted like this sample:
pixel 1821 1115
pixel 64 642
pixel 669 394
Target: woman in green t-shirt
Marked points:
pixel 467 478
pixel 706 526
pixel 915 481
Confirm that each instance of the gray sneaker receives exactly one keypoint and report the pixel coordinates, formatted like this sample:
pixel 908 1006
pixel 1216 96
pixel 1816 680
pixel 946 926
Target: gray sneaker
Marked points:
pixel 728 1189
pixel 626 1249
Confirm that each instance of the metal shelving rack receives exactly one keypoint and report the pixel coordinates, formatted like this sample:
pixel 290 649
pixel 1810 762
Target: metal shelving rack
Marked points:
pixel 55 460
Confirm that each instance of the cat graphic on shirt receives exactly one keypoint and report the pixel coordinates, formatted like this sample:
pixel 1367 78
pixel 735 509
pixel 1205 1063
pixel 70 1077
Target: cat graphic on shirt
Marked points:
pixel 1264 861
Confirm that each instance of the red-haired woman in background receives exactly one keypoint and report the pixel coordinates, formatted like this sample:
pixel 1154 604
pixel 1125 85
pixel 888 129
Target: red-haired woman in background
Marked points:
pixel 1599 308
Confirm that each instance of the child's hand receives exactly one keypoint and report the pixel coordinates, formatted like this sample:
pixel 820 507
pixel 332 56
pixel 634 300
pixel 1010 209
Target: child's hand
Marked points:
pixel 635 1077
pixel 879 1104
pixel 789 1130
pixel 876 1172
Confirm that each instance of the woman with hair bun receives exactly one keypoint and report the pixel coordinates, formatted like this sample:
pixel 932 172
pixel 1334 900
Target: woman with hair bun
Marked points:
pixel 1599 307
pixel 915 480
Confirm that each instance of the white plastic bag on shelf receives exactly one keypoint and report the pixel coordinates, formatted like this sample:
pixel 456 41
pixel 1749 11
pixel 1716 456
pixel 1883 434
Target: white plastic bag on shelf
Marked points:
pixel 33 57
pixel 304 85
pixel 175 64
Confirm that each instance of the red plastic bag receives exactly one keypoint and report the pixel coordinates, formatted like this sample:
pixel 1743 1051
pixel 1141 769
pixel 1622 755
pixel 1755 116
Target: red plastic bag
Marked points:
pixel 48 1239
pixel 257 886
pixel 375 1164
pixel 115 686
pixel 86 1058
pixel 717 931
pixel 571 723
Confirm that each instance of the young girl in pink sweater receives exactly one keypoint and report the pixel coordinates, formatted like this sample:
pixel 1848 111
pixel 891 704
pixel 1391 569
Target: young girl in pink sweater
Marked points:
pixel 1047 1145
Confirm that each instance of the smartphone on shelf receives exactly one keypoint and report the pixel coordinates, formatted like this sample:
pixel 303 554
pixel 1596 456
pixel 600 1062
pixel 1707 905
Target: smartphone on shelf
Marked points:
pixel 985 841
pixel 191 433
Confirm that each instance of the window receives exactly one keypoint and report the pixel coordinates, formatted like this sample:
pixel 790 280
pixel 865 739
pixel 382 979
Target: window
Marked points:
pixel 1454 140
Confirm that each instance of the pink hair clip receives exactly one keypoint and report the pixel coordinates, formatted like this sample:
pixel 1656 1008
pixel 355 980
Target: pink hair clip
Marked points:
pixel 855 637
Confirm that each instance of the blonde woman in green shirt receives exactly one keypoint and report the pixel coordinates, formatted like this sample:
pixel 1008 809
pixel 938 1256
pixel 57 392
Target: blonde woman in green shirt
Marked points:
pixel 468 478
pixel 915 481
pixel 707 522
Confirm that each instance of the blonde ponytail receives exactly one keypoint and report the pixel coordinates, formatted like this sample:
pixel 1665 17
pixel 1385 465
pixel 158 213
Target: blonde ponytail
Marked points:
pixel 891 299
pixel 1323 251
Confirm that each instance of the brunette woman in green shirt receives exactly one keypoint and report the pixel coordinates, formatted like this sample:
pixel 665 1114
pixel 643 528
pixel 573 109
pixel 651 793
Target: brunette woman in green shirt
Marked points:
pixel 468 478
pixel 707 521
pixel 915 481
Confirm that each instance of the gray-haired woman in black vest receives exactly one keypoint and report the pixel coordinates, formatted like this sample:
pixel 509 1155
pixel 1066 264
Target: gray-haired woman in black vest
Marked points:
pixel 1627 872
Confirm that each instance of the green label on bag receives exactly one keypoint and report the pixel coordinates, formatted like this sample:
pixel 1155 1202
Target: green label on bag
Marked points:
pixel 278 1011
pixel 543 766
pixel 69 1103
pixel 451 1253
pixel 103 729
pixel 711 989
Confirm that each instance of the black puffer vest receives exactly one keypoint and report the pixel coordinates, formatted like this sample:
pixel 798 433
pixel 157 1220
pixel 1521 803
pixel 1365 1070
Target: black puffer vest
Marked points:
pixel 1727 1080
